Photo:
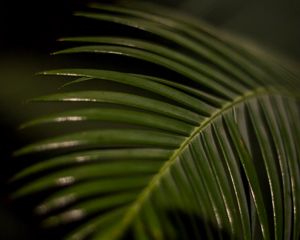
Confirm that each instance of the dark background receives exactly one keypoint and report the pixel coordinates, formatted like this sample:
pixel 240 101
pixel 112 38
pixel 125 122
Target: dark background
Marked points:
pixel 28 33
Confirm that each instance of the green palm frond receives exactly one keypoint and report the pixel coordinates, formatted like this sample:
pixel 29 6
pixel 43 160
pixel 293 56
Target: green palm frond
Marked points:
pixel 207 152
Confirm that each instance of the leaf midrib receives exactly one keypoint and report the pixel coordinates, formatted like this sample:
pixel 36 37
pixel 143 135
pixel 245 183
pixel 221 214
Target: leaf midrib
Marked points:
pixel 137 204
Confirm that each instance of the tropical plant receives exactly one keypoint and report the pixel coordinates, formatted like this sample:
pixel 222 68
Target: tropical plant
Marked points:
pixel 201 144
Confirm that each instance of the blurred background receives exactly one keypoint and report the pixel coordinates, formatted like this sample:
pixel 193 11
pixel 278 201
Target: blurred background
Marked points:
pixel 29 30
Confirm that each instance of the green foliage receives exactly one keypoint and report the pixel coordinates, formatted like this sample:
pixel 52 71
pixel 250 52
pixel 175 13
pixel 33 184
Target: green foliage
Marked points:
pixel 206 152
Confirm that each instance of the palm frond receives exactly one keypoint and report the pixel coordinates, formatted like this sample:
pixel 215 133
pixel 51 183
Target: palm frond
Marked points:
pixel 208 152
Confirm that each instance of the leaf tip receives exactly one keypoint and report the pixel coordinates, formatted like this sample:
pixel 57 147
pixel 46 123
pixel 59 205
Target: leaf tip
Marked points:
pixel 79 14
pixel 40 73
pixel 63 39
pixel 55 53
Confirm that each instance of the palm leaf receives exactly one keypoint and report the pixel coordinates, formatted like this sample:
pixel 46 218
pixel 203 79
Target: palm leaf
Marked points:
pixel 207 152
